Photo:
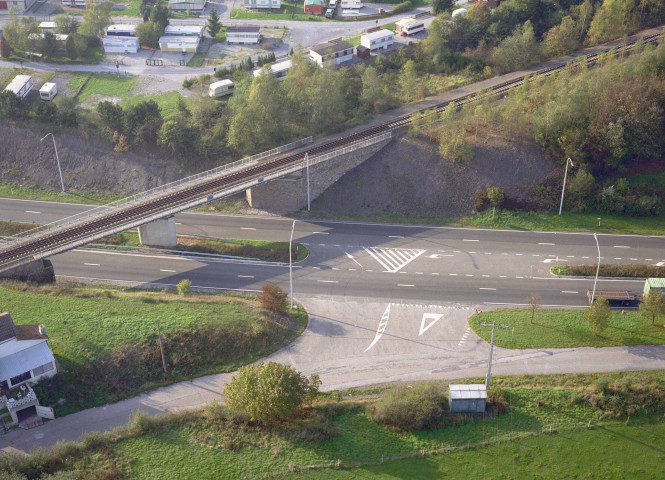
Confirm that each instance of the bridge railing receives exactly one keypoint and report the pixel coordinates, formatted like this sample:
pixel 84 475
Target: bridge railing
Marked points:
pixel 157 191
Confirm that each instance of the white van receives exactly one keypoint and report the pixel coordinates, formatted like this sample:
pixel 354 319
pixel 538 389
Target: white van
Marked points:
pixel 48 91
pixel 221 88
pixel 329 13
pixel 332 4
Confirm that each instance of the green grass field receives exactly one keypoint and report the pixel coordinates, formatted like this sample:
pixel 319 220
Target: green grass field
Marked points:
pixel 106 85
pixel 560 328
pixel 33 193
pixel 288 11
pixel 168 102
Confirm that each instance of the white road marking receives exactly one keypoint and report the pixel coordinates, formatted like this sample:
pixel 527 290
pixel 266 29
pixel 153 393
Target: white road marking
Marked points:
pixel 621 246
pixel 469 274
pixel 486 276
pixel 382 328
pixel 245 276
pixel 328 281
pixel 544 243
pixel 519 254
pixel 352 269
pixel 535 255
pixel 648 259
pixel 503 276
pixel 92 264
pixel 31 211
pixel 369 270
pixel 585 257
pixel 438 255
pixel 519 277
pixel 466 333
pixel 165 270
pixel 569 291
pixel 452 274
pixel 247 228
pixel 393 259
pixel 432 318
pixel 395 236
pixel 316 268
pixel 405 285
pixel 470 240
pixel 487 288
pixel 351 257
pixel 435 273
pixel 617 258
pixel 472 252
pixel 335 268
pixel 633 258
pixel 178 223
pixel 320 233
pixel 660 264
pixel 570 256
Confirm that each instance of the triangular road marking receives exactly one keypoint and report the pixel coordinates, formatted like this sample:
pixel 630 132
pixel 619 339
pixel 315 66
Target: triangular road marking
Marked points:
pixel 382 327
pixel 432 318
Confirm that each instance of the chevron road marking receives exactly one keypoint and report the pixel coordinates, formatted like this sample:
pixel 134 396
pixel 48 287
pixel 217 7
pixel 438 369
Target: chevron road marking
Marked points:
pixel 393 259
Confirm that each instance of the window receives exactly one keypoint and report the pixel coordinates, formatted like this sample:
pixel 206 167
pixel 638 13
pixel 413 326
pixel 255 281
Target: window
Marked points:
pixel 47 367
pixel 20 378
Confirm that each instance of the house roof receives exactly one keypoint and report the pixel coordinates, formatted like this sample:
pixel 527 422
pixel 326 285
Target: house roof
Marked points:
pixel 15 86
pixel 409 22
pixel 31 332
pixel 179 39
pixel 313 2
pixel 47 25
pixel 243 29
pixel 461 392
pixel 14 359
pixel 171 30
pixel 378 34
pixel 7 327
pixel 330 47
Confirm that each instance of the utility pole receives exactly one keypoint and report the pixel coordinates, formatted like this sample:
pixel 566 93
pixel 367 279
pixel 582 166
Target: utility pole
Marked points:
pixel 307 163
pixel 293 227
pixel 161 347
pixel 563 190
pixel 494 325
pixel 57 159
pixel 593 295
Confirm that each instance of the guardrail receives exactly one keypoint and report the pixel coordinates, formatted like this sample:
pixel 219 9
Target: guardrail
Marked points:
pixel 157 191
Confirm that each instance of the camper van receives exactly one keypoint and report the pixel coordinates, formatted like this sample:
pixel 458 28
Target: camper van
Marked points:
pixel 48 91
pixel 221 88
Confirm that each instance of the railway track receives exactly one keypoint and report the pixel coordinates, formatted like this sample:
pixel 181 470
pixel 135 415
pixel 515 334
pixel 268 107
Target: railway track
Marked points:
pixel 21 250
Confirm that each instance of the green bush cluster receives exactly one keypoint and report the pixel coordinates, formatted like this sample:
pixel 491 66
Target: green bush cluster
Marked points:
pixel 411 407
pixel 402 7
pixel 614 270
pixel 630 395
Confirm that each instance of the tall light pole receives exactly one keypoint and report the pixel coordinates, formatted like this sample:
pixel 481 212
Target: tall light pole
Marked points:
pixel 62 183
pixel 489 365
pixel 293 227
pixel 563 190
pixel 593 294
pixel 307 162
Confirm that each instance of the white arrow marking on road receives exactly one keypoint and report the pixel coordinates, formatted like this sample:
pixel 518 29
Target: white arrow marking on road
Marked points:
pixel 382 327
pixel 351 257
pixel 660 264
pixel 432 318
pixel 550 260
pixel 438 255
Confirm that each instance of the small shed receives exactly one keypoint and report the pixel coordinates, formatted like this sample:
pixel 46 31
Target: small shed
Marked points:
pixel 467 398
pixel 657 284
pixel 363 52
pixel 47 26
pixel 48 91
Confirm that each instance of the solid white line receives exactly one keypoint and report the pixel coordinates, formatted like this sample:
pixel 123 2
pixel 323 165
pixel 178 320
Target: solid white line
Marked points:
pixel 170 271
pixel 621 246
pixel 404 285
pixel 544 243
pixel 569 291
pixel 470 240
pixel 92 264
pixel 247 228
pixel 320 233
pixel 328 281
pixel 245 276
pixel 487 288
pixel 31 211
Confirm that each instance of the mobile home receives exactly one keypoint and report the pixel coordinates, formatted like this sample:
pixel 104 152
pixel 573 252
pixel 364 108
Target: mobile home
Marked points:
pixel 379 40
pixel 118 44
pixel 460 11
pixel 20 86
pixel 121 30
pixel 278 69
pixel 221 88
pixel 243 34
pixel 351 5
pixel 184 5
pixel 183 31
pixel 259 4
pixel 179 44
pixel 409 26
pixel 48 91
pixel 47 27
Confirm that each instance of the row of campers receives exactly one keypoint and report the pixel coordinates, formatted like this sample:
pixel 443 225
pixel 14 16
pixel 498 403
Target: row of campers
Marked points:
pixel 21 85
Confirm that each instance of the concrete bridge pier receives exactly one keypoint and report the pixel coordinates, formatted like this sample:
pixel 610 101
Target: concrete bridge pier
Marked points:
pixel 159 233
pixel 40 271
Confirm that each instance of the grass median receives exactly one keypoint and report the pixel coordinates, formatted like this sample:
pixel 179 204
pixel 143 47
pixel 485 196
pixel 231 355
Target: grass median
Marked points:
pixel 565 328
pixel 105 339
pixel 611 270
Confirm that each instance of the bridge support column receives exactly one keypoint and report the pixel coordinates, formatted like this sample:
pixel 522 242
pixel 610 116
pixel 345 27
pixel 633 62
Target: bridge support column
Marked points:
pixel 160 233
pixel 40 271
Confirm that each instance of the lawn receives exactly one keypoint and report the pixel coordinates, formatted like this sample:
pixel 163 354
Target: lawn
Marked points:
pixel 196 60
pixel 94 329
pixel 168 102
pixel 33 193
pixel 106 85
pixel 288 11
pixel 562 328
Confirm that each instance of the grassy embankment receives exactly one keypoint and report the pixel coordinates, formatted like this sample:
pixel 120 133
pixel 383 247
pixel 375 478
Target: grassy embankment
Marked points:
pixel 288 11
pixel 105 338
pixel 559 328
pixel 208 444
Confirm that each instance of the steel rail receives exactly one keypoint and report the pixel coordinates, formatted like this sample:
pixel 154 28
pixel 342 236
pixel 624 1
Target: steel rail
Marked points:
pixel 17 252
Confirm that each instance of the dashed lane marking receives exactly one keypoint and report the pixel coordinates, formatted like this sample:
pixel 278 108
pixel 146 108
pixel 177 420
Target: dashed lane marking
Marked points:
pixel 245 276
pixel 92 264
pixel 569 291
pixel 328 281
pixel 487 288
pixel 31 211
pixel 166 270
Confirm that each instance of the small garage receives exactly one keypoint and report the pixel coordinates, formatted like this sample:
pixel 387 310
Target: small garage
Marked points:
pixel 467 398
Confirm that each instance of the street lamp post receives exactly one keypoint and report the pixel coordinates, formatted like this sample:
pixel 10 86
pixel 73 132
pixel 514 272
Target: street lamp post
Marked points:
pixel 62 182
pixel 563 190
pixel 489 365
pixel 593 294
pixel 308 196
pixel 293 227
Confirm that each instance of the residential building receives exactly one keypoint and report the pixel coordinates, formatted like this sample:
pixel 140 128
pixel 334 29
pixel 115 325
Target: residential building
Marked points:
pixel 409 26
pixel 184 5
pixel 331 53
pixel 262 4
pixel 118 44
pixel 243 34
pixel 379 40
pixel 121 30
pixel 351 5
pixel 179 44
pixel 47 27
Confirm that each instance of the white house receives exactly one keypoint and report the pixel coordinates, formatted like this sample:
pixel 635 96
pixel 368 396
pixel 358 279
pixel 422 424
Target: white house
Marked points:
pixel 258 4
pixel 379 40
pixel 118 44
pixel 20 86
pixel 243 34
pixel 331 53
pixel 179 44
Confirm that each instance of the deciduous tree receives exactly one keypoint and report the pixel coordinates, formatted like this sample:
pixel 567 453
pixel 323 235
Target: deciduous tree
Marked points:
pixel 66 24
pixel 96 18
pixel 533 302
pixel 652 305
pixel 598 315
pixel 440 6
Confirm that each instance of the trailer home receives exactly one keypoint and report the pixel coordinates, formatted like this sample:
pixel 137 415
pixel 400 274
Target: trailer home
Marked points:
pixel 379 40
pixel 409 26
pixel 179 44
pixel 183 31
pixel 117 44
pixel 278 69
pixel 221 88
pixel 262 4
pixel 20 86
pixel 48 91
pixel 243 34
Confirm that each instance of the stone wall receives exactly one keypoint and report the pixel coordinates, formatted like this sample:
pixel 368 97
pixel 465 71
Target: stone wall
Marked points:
pixel 289 193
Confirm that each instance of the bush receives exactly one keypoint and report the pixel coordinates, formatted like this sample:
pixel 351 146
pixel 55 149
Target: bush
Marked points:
pixel 411 407
pixel 402 7
pixel 270 392
pixel 185 287
pixel 188 82
pixel 630 395
pixel 273 298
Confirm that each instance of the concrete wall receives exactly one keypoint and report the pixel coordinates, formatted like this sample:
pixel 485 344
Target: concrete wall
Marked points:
pixel 160 233
pixel 288 194
pixel 40 271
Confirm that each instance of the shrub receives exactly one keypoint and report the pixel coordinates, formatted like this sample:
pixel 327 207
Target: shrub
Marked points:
pixel 630 395
pixel 273 298
pixel 270 392
pixel 411 407
pixel 598 314
pixel 402 7
pixel 188 82
pixel 185 287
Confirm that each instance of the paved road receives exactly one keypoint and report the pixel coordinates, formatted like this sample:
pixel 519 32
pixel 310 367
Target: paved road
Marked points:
pixel 391 262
